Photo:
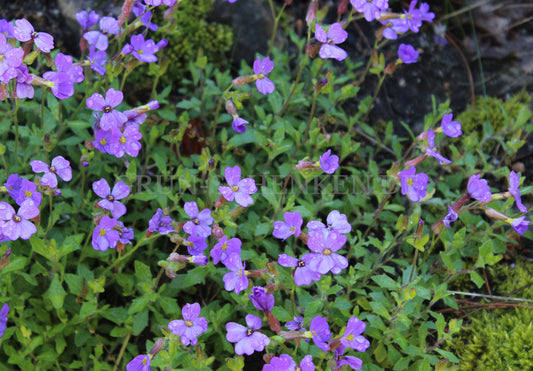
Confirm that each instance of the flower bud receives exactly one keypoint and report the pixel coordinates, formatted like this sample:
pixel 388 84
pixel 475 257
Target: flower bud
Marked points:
pixel 311 12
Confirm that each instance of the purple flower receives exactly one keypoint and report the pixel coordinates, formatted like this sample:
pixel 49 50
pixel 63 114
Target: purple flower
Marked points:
pixel 336 35
pixel 303 274
pixel 159 2
pixel 65 77
pixel 191 326
pixel 432 150
pixel 370 8
pixel 329 163
pixel 261 299
pixel 143 50
pixel 139 10
pixel 110 118
pixel 262 68
pixel 319 329
pixel 336 222
pixel 407 53
pixel 97 60
pixel 296 325
pixel 108 25
pixel 15 225
pixel 239 189
pixel 394 27
pixel 239 124
pixel 514 182
pixel 87 20
pixel 291 226
pixel 195 245
pixel 236 279
pixel 354 362
pixel 449 127
pixel 24 88
pixel 520 225
pixel 125 234
pixel 125 142
pixel 21 189
pixel 60 166
pixel 225 248
pixel 450 217
pixel 24 31
pixel 10 60
pixel 104 236
pixel 139 363
pixel 285 363
pixel 248 339
pixel 102 141
pixel 110 198
pixel 3 319
pixel 478 188
pixel 352 335
pixel 323 258
pixel 160 223
pixel 413 185
pixel 200 223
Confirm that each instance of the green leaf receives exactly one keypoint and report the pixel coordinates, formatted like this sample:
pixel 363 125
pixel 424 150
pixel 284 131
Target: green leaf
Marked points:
pixel 71 243
pixel 477 279
pixel 385 282
pixel 140 321
pixel 40 248
pixel 56 293
pixel 88 308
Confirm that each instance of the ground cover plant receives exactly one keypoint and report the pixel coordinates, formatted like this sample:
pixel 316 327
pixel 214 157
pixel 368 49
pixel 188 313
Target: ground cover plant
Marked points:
pixel 256 221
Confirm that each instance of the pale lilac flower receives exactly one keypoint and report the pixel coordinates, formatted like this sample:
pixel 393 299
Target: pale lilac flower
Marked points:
pixel 479 188
pixel 335 35
pixel 60 166
pixel 110 198
pixel 104 236
pixel 143 50
pixel 336 222
pixel 413 185
pixel 303 274
pixel 200 225
pixel 64 87
pixel 139 363
pixel 407 53
pixel 21 189
pixel 328 162
pixel 514 182
pixel 323 245
pixel 125 141
pixel 3 319
pixel 248 339
pixel 450 217
pixel 319 329
pixel 394 27
pixel 160 223
pixel 17 224
pixel 262 68
pixel 87 20
pixel 432 150
pixel 24 88
pixel 108 25
pixel 239 189
pixel 520 225
pixel 10 60
pixel 352 335
pixel 110 118
pixel 291 226
pixel 225 248
pixel 191 326
pixel 24 31
pixel 261 299
pixel 449 127
pixel 370 8
pixel 97 60
pixel 236 279
pixel 285 363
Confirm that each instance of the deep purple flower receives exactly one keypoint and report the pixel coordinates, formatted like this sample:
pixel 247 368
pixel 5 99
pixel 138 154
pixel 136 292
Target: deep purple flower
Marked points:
pixel 200 225
pixel 225 248
pixel 14 225
pixel 191 326
pixel 87 20
pixel 291 226
pixel 21 189
pixel 248 339
pixel 352 335
pixel 60 166
pixel 102 141
pixel 424 13
pixel 303 274
pixel 139 10
pixel 450 217
pixel 125 234
pixel 296 325
pixel 236 279
pixel 104 236
pixel 143 50
pixel 328 162
pixel 336 222
pixel 520 225
pixel 413 17
pixel 370 8
pixel 407 53
pixel 414 186
pixel 24 31
pixel 110 118
pixel 97 60
pixel 160 223
pixel 479 188
pixel 319 329
pixel 3 319
pixel 449 127
pixel 139 363
pixel 335 35
pixel 195 245
pixel 432 150
pixel 110 198
pixel 10 60
pixel 261 299
pixel 354 362
pixel 262 68
pixel 239 124
pixel 514 182
pixel 323 258
pixel 239 189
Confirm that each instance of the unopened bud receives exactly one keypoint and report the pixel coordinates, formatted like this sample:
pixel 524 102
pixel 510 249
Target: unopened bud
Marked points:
pixel 230 108
pixel 243 80
pixel 159 344
pixel 311 12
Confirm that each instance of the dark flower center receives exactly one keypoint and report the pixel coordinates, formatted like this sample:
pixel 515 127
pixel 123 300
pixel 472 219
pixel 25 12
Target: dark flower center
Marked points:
pixel 52 169
pixel 250 332
pixel 17 218
pixel 111 198
pixel 34 35
pixel 300 264
pixel 107 109
pixel 196 221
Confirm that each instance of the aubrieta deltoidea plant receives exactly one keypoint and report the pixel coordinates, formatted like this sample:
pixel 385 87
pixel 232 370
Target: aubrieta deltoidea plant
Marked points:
pixel 269 239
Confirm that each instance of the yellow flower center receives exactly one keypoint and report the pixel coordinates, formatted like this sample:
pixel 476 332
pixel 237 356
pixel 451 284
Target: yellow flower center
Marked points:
pixel 349 337
pixel 103 142
pixel 260 76
pixel 123 139
pixel 235 188
pixel 27 194
pixel 410 182
pixel 225 246
pixel 102 232
pixel 326 252
pixel 188 323
pixel 52 169
pixel 17 218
